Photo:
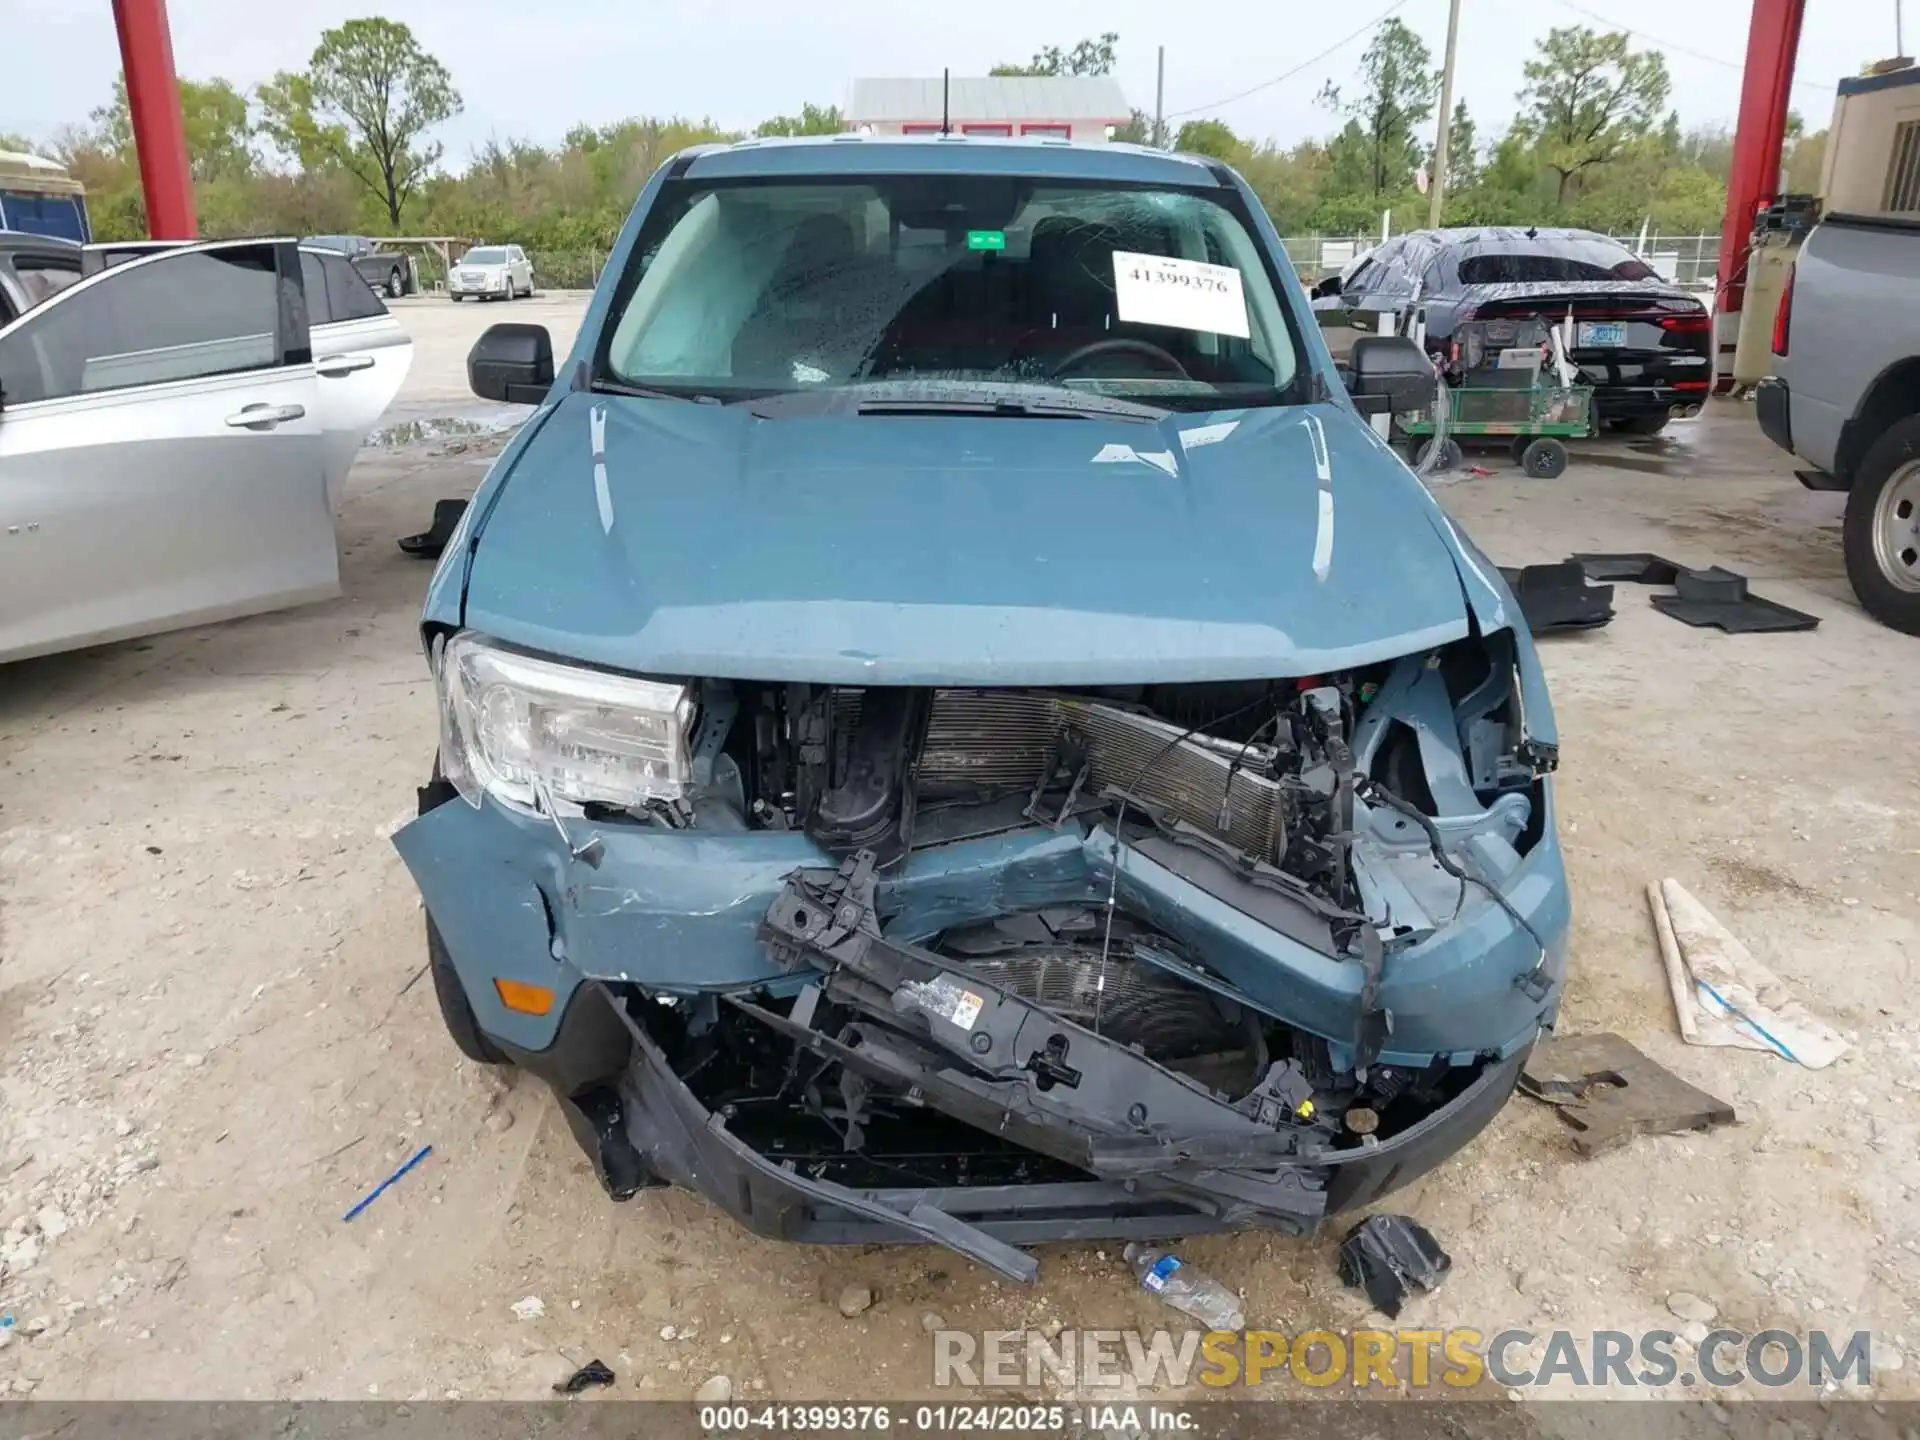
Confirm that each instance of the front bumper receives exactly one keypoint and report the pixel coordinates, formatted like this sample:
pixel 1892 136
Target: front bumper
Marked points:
pixel 493 285
pixel 645 1127
pixel 679 916
pixel 1627 402
pixel 678 912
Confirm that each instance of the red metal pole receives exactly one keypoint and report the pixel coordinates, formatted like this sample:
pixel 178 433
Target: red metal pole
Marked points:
pixel 153 102
pixel 1773 39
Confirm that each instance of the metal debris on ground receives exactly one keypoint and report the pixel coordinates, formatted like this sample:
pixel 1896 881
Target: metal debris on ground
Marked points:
pixel 374 1194
pixel 1385 1255
pixel 1608 1092
pixel 590 1374
pixel 1557 597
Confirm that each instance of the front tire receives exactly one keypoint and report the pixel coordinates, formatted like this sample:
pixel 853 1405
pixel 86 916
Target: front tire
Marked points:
pixel 396 284
pixel 1881 534
pixel 455 1009
pixel 1544 458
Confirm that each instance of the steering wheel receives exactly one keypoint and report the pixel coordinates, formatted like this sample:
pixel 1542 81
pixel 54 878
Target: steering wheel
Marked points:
pixel 1120 345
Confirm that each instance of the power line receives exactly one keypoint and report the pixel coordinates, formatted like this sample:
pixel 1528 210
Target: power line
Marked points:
pixel 1678 49
pixel 1303 65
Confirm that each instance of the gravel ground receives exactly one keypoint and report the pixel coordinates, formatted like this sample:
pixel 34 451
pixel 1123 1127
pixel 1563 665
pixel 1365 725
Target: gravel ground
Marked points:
pixel 209 1044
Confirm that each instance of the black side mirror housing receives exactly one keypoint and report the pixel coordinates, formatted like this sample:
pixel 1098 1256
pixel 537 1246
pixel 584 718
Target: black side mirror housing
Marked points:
pixel 513 363
pixel 1390 372
pixel 1327 288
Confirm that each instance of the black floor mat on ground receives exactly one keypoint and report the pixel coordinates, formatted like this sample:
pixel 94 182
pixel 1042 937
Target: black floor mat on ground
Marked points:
pixel 1637 567
pixel 1719 597
pixel 1556 597
pixel 428 544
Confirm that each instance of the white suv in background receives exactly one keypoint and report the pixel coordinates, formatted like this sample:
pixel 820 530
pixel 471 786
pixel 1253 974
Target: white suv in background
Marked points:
pixel 493 272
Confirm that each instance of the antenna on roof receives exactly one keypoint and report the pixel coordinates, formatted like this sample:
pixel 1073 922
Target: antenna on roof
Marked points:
pixel 946 83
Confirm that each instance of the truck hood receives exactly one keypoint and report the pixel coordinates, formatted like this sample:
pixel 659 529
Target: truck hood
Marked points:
pixel 679 538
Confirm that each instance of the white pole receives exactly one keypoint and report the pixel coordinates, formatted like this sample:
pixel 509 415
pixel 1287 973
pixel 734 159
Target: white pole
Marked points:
pixel 1160 100
pixel 1439 186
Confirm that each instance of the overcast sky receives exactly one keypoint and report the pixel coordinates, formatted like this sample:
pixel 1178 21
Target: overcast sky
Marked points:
pixel 532 68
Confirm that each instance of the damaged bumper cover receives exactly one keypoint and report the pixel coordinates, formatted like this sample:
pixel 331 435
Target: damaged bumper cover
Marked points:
pixel 651 1115
pixel 764 927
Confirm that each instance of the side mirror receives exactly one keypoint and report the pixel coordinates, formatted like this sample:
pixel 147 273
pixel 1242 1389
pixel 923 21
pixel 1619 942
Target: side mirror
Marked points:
pixel 1390 372
pixel 1328 287
pixel 513 363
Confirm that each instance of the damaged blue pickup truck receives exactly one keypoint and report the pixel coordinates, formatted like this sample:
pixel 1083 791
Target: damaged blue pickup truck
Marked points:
pixel 955 727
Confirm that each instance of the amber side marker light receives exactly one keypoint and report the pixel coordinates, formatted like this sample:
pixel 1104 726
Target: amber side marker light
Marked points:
pixel 527 999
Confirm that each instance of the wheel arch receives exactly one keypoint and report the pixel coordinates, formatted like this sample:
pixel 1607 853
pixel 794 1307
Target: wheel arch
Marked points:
pixel 1893 395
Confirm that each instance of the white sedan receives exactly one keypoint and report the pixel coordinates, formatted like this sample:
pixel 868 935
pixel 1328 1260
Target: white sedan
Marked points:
pixel 170 429
pixel 492 272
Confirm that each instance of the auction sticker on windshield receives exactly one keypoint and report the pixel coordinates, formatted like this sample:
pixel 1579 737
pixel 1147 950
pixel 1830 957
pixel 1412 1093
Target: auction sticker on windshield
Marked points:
pixel 1186 294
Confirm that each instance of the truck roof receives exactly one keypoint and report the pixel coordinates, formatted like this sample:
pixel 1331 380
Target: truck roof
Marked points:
pixel 21 171
pixel 946 154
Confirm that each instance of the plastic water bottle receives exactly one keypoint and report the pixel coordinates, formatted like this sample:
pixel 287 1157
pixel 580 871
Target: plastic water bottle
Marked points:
pixel 1190 1291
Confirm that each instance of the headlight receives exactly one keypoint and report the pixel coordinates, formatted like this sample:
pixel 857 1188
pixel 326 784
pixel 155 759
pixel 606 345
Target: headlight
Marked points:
pixel 513 727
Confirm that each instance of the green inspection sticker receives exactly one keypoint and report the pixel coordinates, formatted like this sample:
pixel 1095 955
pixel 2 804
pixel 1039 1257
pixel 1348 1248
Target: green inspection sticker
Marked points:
pixel 986 239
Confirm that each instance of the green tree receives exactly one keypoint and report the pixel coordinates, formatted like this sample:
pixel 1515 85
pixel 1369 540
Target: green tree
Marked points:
pixel 375 93
pixel 1088 57
pixel 1805 160
pixel 1463 152
pixel 1289 183
pixel 1398 87
pixel 1588 96
pixel 214 115
pixel 1208 137
pixel 287 123
pixel 812 120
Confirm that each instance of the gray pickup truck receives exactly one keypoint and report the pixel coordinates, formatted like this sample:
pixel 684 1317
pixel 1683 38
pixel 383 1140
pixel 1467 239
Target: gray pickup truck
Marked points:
pixel 387 271
pixel 1845 397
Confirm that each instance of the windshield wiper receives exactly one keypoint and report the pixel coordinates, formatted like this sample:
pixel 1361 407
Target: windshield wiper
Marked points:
pixel 1009 409
pixel 1023 400
pixel 645 392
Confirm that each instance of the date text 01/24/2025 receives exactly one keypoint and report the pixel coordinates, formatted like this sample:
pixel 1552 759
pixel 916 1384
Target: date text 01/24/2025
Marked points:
pixel 941 1419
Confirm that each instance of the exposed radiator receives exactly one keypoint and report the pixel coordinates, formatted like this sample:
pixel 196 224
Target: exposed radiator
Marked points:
pixel 998 741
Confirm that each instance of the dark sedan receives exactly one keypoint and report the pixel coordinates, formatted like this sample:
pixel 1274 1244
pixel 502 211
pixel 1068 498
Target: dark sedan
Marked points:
pixel 1644 344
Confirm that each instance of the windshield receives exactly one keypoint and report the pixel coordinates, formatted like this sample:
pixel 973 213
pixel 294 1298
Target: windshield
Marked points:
pixel 484 256
pixel 1555 259
pixel 769 286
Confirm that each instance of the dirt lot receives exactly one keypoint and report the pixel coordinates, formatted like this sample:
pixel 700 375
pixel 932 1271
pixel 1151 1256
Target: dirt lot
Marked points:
pixel 208 1048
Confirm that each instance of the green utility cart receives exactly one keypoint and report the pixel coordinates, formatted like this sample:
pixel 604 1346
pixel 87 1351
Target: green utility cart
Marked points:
pixel 1540 419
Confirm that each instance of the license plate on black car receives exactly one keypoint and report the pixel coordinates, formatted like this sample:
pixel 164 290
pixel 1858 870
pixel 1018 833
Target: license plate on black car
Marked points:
pixel 1603 332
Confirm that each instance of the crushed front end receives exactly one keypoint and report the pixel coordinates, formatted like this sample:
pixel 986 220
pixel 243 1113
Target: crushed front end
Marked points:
pixel 987 967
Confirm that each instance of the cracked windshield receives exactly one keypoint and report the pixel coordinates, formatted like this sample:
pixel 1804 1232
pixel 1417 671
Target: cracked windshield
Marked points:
pixel 930 286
